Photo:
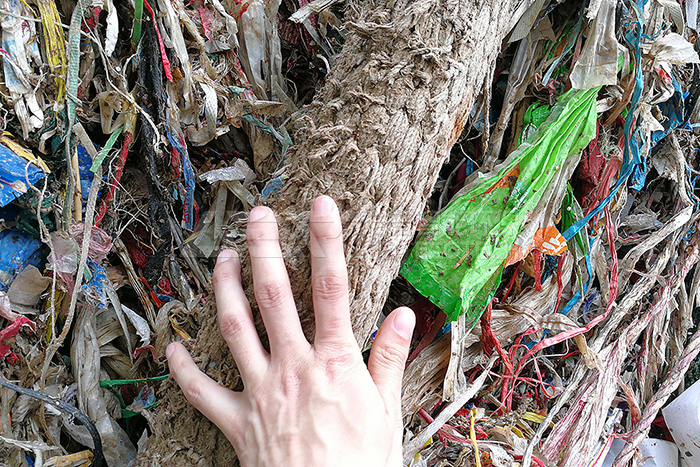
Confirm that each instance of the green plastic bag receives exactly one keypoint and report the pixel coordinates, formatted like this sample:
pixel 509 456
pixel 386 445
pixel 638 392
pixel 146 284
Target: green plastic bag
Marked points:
pixel 458 260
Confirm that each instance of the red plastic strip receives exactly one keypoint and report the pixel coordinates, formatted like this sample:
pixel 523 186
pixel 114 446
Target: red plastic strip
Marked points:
pixel 538 270
pixel 561 337
pixel 560 283
pixel 118 170
pixel 166 62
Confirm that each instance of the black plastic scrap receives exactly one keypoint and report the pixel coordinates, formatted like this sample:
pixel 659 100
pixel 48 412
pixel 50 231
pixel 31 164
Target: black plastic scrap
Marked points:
pixel 98 459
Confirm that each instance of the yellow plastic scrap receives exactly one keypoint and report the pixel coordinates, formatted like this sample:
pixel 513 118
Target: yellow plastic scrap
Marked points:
pixel 472 437
pixel 54 43
pixel 78 459
pixel 525 429
pixel 55 299
pixel 180 332
pixel 417 457
pixel 24 153
pixel 535 417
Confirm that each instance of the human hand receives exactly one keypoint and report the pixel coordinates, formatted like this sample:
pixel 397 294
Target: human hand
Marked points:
pixel 302 404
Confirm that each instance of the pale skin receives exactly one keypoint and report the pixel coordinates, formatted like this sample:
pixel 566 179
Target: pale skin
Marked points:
pixel 310 404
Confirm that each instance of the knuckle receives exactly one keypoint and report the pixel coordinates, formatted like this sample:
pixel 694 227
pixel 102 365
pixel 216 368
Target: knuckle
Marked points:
pixel 195 392
pixel 223 276
pixel 291 385
pixel 326 230
pixel 330 286
pixel 389 356
pixel 271 294
pixel 255 237
pixel 231 325
pixel 178 366
pixel 261 235
pixel 337 326
pixel 265 248
pixel 337 364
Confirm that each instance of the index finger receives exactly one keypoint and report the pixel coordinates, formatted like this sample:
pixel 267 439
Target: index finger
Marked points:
pixel 217 403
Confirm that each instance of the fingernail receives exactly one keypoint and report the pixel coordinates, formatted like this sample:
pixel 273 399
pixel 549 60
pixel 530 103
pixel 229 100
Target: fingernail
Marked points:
pixel 257 213
pixel 169 350
pixel 323 206
pixel 404 322
pixel 226 255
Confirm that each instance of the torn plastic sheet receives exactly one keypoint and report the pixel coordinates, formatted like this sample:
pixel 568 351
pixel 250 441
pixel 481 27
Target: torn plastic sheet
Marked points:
pixel 539 231
pixel 239 171
pixel 210 109
pixel 112 31
pixel 316 6
pixel 93 288
pixel 632 164
pixel 571 37
pixel 100 242
pixel 20 48
pixel 570 211
pixel 111 103
pixel 273 187
pixel 26 289
pixel 260 50
pixel 519 77
pixel 597 64
pixel 674 10
pixel 661 85
pixel 209 237
pixel 691 13
pixel 673 110
pixel 597 171
pixel 86 175
pixel 19 170
pixel 461 254
pixel 140 324
pixel 527 21
pixel 54 46
pixel 672 48
pixel 10 332
pixel 223 38
pixel 18 250
pixel 85 353
pixel 6 308
pixel 63 258
pixel 78 459
pixel 36 447
pixel 645 220
pixel 188 190
pixel 145 399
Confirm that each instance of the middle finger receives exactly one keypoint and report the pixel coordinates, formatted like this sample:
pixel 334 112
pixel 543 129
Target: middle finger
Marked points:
pixel 271 283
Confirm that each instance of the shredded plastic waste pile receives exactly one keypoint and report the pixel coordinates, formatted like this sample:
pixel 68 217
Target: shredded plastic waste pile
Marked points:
pixel 565 259
pixel 554 276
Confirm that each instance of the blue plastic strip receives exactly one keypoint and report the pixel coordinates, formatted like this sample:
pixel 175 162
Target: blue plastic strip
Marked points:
pixel 631 160
pixel 188 172
pixel 18 250
pixel 15 173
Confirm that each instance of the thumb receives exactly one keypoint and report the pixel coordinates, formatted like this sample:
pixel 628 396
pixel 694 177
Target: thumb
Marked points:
pixel 387 359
